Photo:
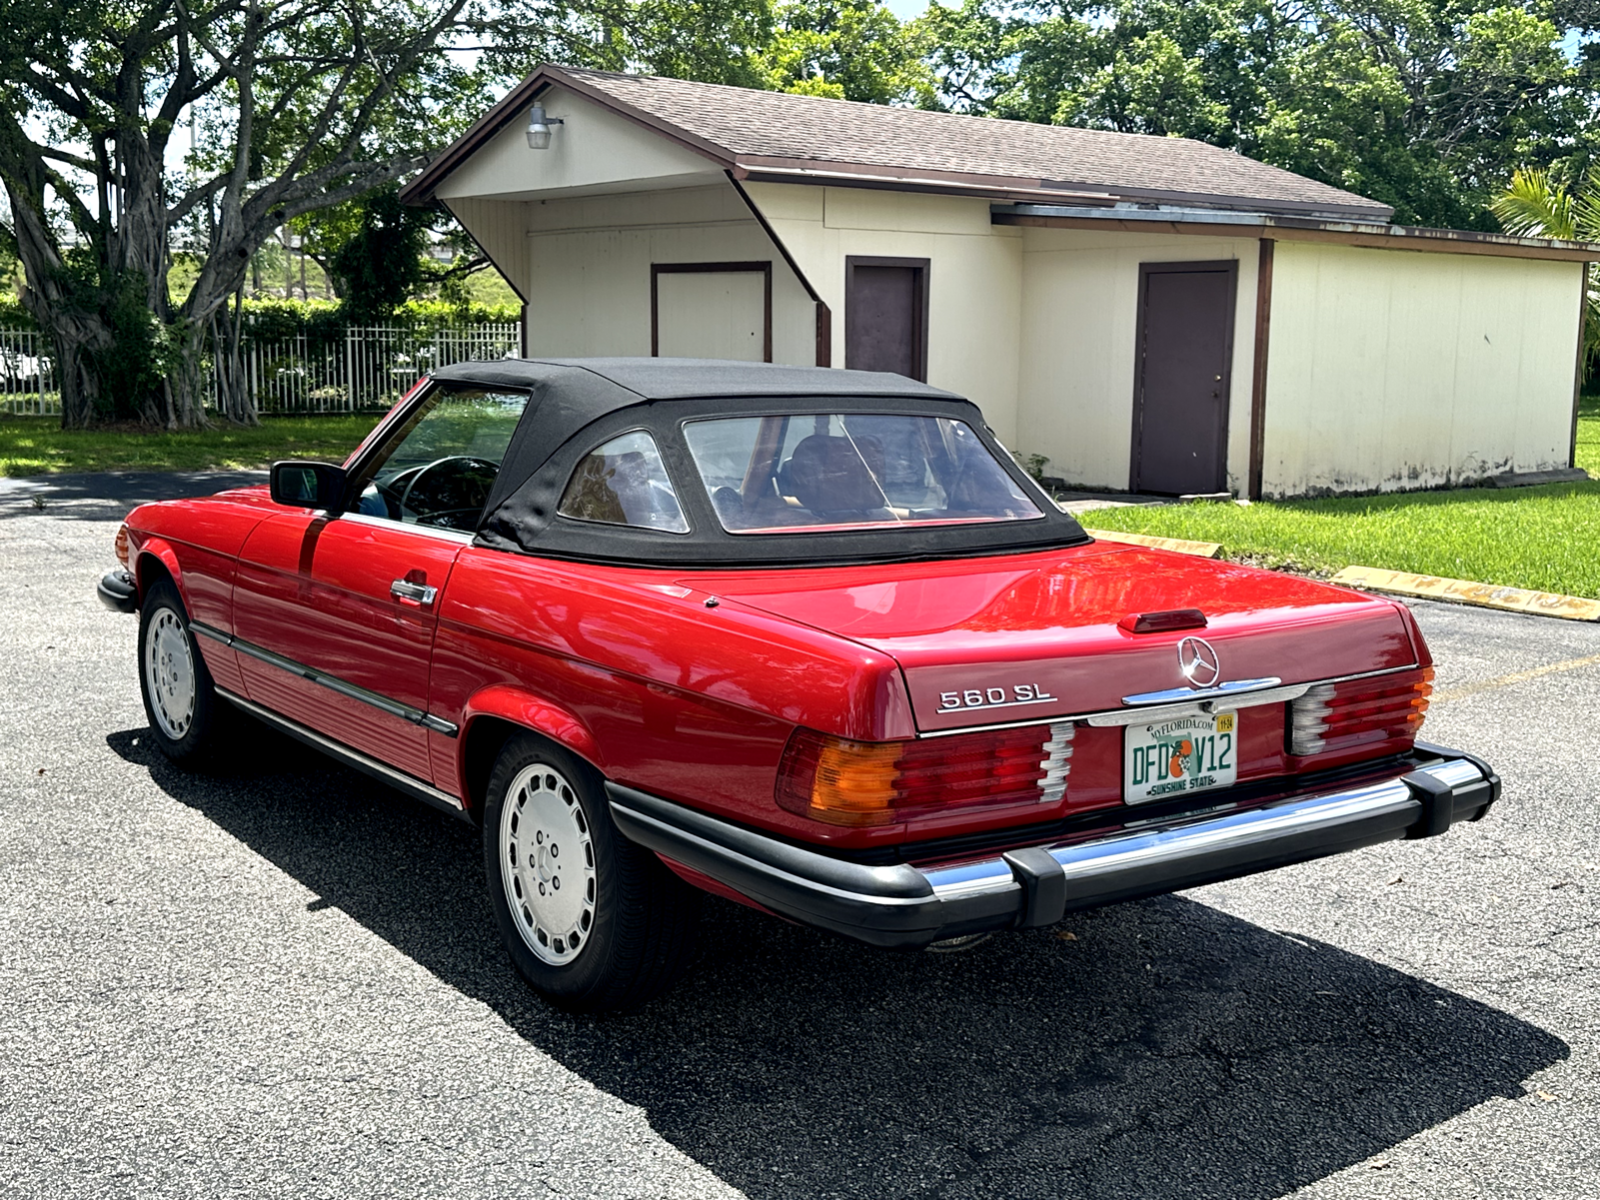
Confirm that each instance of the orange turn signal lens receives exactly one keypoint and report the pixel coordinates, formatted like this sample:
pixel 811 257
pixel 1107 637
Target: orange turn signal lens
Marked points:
pixel 838 781
pixel 853 783
pixel 121 544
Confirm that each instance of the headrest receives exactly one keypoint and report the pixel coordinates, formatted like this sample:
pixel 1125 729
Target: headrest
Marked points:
pixel 829 476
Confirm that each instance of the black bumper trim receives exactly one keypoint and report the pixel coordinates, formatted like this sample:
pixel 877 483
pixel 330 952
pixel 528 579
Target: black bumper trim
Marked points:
pixel 906 906
pixel 118 591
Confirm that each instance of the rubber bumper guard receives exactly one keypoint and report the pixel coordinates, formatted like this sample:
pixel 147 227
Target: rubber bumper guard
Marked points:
pixel 119 592
pixel 907 906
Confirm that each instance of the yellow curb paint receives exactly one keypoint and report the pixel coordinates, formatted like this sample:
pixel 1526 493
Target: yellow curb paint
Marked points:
pixel 1462 591
pixel 1200 549
pixel 1489 685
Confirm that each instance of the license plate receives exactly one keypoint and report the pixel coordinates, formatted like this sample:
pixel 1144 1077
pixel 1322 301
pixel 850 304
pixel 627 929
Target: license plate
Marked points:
pixel 1178 756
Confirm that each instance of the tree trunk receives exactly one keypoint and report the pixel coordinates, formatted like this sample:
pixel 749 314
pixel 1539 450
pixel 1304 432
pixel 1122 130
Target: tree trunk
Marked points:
pixel 76 376
pixel 235 401
pixel 186 381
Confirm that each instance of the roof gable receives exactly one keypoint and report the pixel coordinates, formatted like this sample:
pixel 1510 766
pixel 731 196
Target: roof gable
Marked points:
pixel 596 149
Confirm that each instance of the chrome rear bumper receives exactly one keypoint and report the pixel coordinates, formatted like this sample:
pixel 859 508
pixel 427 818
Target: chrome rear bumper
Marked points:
pixel 904 905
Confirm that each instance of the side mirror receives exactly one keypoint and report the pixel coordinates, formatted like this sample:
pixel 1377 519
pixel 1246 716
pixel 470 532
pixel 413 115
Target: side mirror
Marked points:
pixel 303 484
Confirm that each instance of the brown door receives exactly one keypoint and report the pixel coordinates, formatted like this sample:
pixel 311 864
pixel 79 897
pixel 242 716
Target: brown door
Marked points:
pixel 886 315
pixel 1180 403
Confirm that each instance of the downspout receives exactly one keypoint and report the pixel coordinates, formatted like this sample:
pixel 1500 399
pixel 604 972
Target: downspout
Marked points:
pixel 1258 380
pixel 1577 370
pixel 824 353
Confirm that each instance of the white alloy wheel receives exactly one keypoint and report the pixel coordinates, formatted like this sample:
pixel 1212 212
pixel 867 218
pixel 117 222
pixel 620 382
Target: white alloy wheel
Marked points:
pixel 169 673
pixel 547 864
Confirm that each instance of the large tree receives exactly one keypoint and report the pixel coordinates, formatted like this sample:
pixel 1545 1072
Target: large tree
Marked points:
pixel 1427 105
pixel 291 106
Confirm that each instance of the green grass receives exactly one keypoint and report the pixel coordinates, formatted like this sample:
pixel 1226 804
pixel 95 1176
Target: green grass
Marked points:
pixel 38 445
pixel 1546 538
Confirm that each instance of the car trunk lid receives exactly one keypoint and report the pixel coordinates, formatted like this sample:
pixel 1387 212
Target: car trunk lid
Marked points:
pixel 1029 637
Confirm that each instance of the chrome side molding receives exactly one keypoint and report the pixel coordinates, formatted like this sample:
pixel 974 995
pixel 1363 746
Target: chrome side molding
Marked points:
pixel 332 682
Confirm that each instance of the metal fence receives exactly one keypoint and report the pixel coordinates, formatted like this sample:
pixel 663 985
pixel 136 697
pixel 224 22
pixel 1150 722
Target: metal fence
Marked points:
pixel 27 374
pixel 369 367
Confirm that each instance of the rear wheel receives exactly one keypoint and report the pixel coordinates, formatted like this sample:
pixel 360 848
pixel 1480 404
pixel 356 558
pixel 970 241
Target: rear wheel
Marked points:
pixel 591 920
pixel 179 697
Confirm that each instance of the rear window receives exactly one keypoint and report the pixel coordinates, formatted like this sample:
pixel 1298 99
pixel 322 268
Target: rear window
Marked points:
pixel 856 471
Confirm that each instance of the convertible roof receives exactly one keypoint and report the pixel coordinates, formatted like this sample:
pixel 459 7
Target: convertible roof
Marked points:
pixel 683 378
pixel 568 395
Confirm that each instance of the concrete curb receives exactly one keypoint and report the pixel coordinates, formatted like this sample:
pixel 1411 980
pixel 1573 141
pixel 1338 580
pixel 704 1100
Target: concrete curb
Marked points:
pixel 1199 549
pixel 1462 591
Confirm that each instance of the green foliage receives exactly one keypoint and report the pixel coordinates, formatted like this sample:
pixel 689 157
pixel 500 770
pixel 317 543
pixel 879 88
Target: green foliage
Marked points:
pixel 1033 464
pixel 14 316
pixel 379 266
pixel 1536 204
pixel 847 50
pixel 271 317
pixel 131 367
pixel 132 359
pixel 1426 105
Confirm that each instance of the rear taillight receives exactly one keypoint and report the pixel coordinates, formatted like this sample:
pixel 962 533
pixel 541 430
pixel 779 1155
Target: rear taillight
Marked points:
pixel 1335 717
pixel 844 782
pixel 121 544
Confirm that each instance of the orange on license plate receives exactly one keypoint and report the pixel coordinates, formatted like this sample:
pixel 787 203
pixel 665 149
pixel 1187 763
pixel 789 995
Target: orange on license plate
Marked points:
pixel 1179 755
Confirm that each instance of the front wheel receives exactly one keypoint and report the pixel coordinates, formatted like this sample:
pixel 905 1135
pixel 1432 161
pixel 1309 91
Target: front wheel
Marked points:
pixel 179 698
pixel 592 921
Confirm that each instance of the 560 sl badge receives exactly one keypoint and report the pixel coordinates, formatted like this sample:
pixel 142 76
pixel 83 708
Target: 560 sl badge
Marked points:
pixel 993 697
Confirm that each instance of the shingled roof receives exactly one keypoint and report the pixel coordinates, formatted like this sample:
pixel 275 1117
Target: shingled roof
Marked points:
pixel 775 135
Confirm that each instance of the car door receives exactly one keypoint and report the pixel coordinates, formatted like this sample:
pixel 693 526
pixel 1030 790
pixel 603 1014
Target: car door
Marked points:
pixel 334 613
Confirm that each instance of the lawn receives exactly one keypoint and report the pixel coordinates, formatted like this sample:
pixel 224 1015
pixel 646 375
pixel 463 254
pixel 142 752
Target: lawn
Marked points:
pixel 1547 538
pixel 38 445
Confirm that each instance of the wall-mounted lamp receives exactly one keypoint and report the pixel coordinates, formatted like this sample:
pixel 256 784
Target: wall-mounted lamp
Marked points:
pixel 539 127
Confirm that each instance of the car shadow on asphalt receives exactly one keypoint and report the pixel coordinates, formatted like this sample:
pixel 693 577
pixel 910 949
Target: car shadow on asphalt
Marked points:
pixel 1160 1050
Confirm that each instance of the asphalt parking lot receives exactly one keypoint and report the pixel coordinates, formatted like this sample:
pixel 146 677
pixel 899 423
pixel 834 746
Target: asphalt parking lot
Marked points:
pixel 280 979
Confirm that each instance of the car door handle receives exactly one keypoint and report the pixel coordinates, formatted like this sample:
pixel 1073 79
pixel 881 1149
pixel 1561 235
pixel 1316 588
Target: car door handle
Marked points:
pixel 404 590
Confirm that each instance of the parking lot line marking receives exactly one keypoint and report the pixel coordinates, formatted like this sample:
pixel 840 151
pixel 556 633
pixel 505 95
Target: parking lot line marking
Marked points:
pixel 1489 685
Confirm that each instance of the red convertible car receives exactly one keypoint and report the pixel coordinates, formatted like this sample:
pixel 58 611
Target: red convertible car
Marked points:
pixel 803 638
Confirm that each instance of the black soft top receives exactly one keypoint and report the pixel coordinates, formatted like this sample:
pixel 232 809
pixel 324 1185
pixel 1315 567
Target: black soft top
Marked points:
pixel 636 379
pixel 577 403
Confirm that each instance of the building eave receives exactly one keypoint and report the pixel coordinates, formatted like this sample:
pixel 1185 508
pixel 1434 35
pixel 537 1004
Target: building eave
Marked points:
pixel 1283 227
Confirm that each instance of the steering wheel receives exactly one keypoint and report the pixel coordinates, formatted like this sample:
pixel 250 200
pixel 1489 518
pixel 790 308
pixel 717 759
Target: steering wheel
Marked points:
pixel 473 477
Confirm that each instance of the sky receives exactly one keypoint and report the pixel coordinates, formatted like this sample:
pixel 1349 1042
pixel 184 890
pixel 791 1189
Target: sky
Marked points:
pixel 906 9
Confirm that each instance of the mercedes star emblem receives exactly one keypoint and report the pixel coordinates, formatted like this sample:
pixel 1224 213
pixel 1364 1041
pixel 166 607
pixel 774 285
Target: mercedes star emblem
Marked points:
pixel 1198 661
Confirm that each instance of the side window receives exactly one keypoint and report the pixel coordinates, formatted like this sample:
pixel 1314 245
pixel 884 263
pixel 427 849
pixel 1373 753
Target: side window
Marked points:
pixel 437 470
pixel 624 482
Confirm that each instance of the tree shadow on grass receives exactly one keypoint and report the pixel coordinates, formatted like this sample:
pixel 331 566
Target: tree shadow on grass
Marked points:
pixel 1168 1052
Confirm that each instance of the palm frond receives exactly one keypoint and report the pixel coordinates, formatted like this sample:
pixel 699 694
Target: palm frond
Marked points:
pixel 1586 208
pixel 1534 206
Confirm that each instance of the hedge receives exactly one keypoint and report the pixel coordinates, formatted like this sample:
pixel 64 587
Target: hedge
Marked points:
pixel 270 319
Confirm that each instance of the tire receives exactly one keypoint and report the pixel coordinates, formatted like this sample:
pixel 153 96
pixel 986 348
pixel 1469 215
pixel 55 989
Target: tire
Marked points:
pixel 592 921
pixel 180 699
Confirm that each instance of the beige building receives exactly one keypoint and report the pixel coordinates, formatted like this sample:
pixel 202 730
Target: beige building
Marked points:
pixel 1152 314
